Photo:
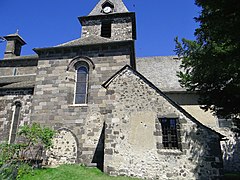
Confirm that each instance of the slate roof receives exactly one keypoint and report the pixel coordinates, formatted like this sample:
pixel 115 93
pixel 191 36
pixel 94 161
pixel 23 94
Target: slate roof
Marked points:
pixel 127 67
pixel 86 41
pixel 14 79
pixel 161 71
pixel 119 7
pixel 19 85
pixel 15 36
pixel 28 57
pixel 17 82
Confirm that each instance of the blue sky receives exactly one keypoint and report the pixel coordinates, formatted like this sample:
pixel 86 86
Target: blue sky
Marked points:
pixel 50 22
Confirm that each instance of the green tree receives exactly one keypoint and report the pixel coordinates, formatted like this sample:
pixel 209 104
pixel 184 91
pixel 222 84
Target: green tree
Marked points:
pixel 211 63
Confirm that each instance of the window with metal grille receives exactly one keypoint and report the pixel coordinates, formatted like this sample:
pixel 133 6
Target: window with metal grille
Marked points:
pixel 106 29
pixel 169 133
pixel 81 85
pixel 15 123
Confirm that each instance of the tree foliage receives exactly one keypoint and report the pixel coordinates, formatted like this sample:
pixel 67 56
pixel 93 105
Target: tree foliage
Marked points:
pixel 19 158
pixel 211 63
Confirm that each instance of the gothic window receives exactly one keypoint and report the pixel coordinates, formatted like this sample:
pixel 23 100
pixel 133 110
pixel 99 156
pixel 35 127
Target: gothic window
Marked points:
pixel 81 84
pixel 15 122
pixel 170 137
pixel 106 29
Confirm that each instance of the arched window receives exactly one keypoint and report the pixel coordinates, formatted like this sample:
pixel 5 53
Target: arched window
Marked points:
pixel 15 122
pixel 81 84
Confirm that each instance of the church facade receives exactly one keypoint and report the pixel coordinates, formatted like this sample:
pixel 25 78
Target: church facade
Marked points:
pixel 109 108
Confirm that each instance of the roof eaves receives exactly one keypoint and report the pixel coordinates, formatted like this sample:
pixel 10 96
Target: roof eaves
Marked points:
pixel 114 15
pixel 19 85
pixel 29 57
pixel 14 36
pixel 82 45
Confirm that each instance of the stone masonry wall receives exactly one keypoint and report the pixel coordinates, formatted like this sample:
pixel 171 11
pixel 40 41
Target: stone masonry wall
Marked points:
pixel 64 150
pixel 168 82
pixel 121 28
pixel 7 109
pixel 133 138
pixel 53 101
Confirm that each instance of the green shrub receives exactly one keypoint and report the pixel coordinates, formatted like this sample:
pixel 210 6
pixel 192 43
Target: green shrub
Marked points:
pixel 20 158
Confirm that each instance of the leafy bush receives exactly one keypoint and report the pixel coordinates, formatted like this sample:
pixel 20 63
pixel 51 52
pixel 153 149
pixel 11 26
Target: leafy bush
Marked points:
pixel 20 158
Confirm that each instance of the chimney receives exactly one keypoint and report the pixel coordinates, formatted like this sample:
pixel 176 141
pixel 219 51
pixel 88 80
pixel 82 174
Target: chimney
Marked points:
pixel 14 45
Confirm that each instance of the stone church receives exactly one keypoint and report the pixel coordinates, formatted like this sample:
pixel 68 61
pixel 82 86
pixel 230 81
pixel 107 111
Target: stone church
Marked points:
pixel 125 115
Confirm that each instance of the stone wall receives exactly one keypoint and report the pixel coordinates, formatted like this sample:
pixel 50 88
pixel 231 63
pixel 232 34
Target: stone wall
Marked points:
pixel 230 150
pixel 53 101
pixel 64 150
pixel 7 108
pixel 133 143
pixel 121 28
pixel 168 81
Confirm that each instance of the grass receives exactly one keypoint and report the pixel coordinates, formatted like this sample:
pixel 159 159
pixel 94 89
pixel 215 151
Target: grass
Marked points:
pixel 231 176
pixel 70 172
pixel 76 172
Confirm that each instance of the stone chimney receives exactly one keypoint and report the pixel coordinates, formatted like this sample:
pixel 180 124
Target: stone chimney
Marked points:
pixel 14 45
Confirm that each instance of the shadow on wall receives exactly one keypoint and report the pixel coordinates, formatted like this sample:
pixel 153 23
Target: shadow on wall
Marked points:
pixel 231 153
pixel 98 156
pixel 205 154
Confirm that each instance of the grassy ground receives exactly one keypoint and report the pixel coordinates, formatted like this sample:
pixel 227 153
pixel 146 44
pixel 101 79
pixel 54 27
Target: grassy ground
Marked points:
pixel 70 172
pixel 232 176
pixel 77 172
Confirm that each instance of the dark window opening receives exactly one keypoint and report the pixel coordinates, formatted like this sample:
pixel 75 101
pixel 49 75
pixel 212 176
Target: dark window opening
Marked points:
pixel 106 29
pixel 18 48
pixel 225 122
pixel 169 133
pixel 15 123
pixel 81 85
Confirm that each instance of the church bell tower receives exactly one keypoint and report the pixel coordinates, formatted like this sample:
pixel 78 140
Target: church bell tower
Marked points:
pixel 109 19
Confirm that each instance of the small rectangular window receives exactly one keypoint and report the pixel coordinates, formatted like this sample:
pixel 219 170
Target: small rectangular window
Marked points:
pixel 169 133
pixel 106 29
